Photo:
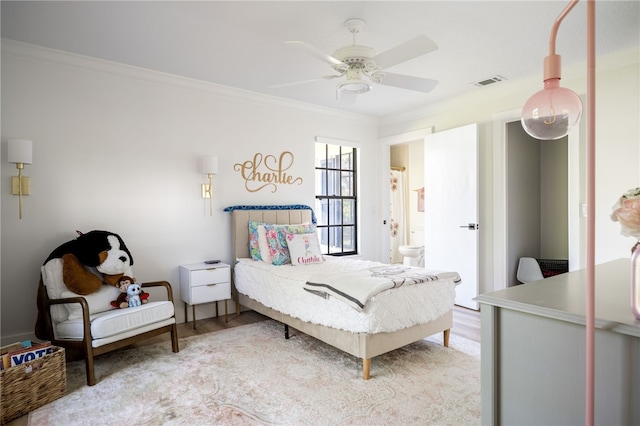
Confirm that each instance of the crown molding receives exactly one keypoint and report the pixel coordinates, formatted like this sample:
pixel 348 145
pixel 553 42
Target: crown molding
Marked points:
pixel 60 57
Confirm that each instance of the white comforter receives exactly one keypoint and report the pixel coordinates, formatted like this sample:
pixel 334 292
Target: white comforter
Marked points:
pixel 281 288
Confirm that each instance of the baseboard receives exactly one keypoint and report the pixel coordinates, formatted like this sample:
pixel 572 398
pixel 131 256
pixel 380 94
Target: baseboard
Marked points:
pixel 7 340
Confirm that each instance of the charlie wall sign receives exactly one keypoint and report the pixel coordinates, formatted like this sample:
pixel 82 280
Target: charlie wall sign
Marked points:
pixel 267 171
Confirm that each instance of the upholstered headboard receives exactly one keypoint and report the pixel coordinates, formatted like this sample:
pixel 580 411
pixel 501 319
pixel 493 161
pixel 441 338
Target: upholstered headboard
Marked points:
pixel 240 224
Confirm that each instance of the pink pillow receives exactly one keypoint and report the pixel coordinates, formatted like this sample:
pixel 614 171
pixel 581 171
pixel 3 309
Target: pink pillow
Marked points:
pixel 304 249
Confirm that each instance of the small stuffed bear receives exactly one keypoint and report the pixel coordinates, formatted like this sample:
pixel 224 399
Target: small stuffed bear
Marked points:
pixel 133 295
pixel 123 284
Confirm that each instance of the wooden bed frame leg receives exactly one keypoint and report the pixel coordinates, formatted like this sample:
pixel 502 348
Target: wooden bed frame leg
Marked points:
pixel 366 368
pixel 447 332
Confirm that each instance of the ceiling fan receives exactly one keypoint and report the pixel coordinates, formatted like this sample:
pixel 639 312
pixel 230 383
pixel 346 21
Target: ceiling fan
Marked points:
pixel 362 67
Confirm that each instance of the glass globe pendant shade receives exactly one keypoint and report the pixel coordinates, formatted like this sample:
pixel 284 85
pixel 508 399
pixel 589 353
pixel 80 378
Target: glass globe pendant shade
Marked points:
pixel 552 112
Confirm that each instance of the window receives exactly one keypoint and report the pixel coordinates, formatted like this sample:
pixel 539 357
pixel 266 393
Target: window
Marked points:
pixel 336 201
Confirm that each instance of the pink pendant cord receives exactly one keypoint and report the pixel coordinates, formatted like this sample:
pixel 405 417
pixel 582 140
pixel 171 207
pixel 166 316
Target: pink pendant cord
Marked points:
pixel 552 70
pixel 591 213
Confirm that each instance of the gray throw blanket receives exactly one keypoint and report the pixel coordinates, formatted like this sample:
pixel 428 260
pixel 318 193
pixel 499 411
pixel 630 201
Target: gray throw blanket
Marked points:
pixel 357 287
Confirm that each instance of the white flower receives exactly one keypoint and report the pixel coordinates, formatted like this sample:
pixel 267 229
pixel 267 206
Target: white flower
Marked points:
pixel 627 212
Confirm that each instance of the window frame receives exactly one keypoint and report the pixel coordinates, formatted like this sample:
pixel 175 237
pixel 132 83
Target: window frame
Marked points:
pixel 326 166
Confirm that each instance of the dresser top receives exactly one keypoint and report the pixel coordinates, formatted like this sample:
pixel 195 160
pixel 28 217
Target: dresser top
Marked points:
pixel 563 297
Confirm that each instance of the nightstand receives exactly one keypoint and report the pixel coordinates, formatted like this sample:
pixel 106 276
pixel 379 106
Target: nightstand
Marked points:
pixel 205 283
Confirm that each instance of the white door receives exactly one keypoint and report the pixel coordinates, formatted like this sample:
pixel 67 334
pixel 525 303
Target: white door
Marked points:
pixel 451 207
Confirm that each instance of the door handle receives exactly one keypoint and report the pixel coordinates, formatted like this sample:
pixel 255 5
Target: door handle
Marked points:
pixel 471 226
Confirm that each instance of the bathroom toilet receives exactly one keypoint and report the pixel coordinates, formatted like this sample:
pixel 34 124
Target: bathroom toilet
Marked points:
pixel 412 255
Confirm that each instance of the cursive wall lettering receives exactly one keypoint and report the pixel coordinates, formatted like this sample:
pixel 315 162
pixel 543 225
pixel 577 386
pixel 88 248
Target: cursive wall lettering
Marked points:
pixel 267 171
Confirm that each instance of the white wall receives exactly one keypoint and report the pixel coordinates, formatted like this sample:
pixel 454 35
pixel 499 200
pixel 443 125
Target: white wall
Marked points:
pixel 617 139
pixel 554 186
pixel 524 194
pixel 416 181
pixel 116 148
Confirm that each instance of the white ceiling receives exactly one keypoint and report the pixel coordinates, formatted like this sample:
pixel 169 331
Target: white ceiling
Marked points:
pixel 241 43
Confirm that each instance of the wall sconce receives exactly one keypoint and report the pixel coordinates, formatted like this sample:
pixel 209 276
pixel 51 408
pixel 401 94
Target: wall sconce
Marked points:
pixel 19 152
pixel 209 166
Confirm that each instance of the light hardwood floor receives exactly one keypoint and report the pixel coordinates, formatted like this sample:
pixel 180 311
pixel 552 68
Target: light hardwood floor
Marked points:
pixel 466 323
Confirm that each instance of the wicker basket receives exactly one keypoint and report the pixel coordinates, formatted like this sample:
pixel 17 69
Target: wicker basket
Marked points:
pixel 23 390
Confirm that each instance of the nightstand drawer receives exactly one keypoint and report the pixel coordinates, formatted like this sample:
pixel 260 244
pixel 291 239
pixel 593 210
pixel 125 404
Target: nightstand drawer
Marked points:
pixel 213 275
pixel 211 292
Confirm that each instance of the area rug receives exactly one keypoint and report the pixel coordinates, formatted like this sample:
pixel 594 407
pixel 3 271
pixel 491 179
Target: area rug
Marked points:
pixel 252 375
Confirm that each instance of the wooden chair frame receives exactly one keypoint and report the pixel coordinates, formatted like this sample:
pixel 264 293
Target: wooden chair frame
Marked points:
pixel 85 345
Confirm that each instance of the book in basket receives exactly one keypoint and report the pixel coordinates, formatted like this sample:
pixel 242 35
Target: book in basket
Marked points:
pixel 25 354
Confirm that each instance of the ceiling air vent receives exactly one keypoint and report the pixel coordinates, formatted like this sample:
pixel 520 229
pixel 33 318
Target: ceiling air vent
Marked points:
pixel 488 81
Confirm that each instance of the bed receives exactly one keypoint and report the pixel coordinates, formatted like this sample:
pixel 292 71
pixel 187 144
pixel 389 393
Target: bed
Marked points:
pixel 362 343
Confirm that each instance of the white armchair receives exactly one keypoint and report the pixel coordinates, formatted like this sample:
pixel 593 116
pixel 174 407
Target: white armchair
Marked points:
pixel 89 324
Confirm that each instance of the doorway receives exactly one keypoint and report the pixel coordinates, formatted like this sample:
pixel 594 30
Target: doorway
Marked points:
pixel 504 259
pixel 461 142
pixel 386 144
pixel 537 194
pixel 406 213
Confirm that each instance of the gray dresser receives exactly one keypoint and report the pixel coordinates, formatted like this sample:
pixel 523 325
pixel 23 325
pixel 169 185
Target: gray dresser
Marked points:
pixel 533 351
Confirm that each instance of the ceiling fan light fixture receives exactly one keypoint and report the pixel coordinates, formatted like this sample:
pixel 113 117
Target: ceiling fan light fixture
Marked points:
pixel 355 87
pixel 363 67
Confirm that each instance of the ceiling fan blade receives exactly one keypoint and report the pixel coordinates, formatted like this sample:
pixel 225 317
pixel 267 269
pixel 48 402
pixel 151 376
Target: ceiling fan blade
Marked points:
pixel 418 84
pixel 314 51
pixel 413 48
pixel 295 83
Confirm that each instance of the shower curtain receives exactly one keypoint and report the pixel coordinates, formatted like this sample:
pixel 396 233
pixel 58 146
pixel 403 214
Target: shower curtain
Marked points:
pixel 397 216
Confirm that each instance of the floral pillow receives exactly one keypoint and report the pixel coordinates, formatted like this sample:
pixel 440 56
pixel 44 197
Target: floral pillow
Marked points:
pixel 254 247
pixel 304 249
pixel 277 240
pixel 263 245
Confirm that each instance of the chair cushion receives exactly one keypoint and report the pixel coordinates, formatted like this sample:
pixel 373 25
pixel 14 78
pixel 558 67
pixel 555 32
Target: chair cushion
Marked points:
pixel 117 321
pixel 138 331
pixel 52 280
pixel 99 301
